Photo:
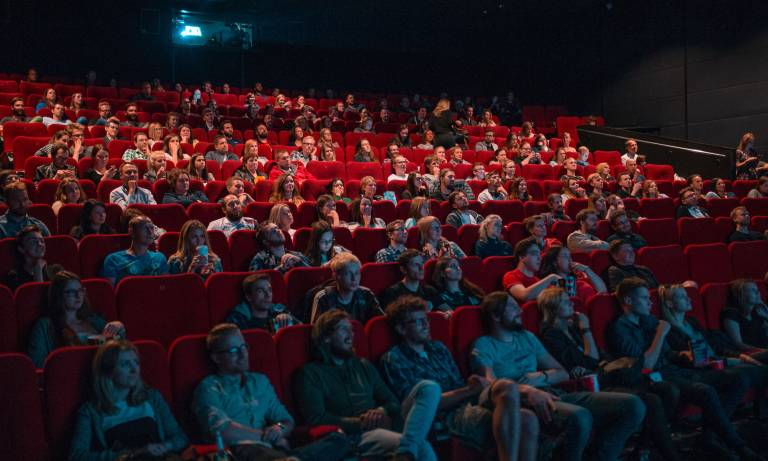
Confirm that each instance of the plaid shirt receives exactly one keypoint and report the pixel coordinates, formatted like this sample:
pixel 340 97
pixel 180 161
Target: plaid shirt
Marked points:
pixel 265 259
pixel 133 154
pixel 363 307
pixel 389 254
pixel 403 368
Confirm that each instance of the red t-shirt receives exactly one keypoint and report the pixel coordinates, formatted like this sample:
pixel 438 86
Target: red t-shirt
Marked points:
pixel 516 277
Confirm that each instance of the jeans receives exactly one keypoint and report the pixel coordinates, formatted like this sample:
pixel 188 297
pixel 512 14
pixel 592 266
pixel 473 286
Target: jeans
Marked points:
pixel 333 447
pixel 615 417
pixel 418 409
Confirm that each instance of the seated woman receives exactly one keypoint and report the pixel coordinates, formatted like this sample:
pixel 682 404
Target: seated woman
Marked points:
pixel 518 190
pixel 172 149
pixel 285 190
pixel 651 190
pixel 432 168
pixel 281 216
pixel 453 288
pixel 558 159
pixel 327 153
pixel 675 307
pixel 193 252
pixel 499 157
pixel 420 208
pixel 185 135
pixel 432 242
pixel 69 320
pixel 572 189
pixel 326 137
pixel 368 188
pixel 93 220
pixel 566 142
pixel 58 168
pixel 604 170
pixel 249 169
pixel 296 136
pixel 427 141
pixel 364 152
pixel 101 168
pixel 257 310
pixel 571 169
pixel 337 190
pixel 540 143
pixel 156 166
pixel 320 248
pixel 536 227
pixel 361 213
pixel 180 193
pixel 598 203
pixel 196 169
pixel 580 281
pixel 745 319
pixel 761 191
pixel 154 133
pixel 489 242
pixel 69 191
pixel 566 334
pixel 30 260
pixel 325 211
pixel 415 186
pixel 398 169
pixel 616 203
pixel 718 190
pixel 125 419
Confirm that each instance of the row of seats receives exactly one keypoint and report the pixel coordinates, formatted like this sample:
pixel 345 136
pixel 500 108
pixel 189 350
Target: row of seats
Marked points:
pixel 177 372
pixel 142 303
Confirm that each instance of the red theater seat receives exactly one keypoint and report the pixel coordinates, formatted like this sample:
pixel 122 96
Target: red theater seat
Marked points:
pixel 721 206
pixel 666 262
pixel 94 248
pixel 379 276
pixel 327 170
pixel 714 297
pixel 358 170
pixel 748 259
pixel 162 308
pixel 494 268
pixel 242 248
pixel 24 435
pixel 756 206
pixel 367 242
pixel 45 214
pixel 602 309
pixel 224 291
pixel 8 338
pixel 541 172
pixel 301 280
pixel 709 262
pixel 661 231
pixel 465 327
pixel 697 230
pixel 381 338
pixel 662 172
pixel 205 212
pixel 509 210
pixel 657 208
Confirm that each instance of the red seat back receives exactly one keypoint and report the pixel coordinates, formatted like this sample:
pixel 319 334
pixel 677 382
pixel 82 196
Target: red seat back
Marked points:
pixel 709 262
pixel 169 216
pixel 367 242
pixel 242 248
pixel 657 208
pixel 465 327
pixel 225 290
pixel 603 309
pixel 94 248
pixel 162 308
pixel 748 259
pixel 20 409
pixel 302 280
pixel 660 231
pixel 666 262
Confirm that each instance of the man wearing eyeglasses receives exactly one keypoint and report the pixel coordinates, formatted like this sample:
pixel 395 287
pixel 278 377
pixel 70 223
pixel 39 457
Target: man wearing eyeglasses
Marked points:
pixel 398 236
pixel 307 152
pixel 243 408
pixel 341 389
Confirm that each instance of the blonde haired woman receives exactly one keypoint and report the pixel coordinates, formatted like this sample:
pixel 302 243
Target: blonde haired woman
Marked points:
pixel 69 191
pixel 432 242
pixel 441 124
pixel 193 252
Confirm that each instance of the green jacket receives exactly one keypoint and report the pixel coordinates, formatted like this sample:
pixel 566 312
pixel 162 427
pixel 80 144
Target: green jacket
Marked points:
pixel 327 393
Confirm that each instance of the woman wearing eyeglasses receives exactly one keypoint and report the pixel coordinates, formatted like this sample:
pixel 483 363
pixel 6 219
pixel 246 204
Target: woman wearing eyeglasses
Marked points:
pixel 70 321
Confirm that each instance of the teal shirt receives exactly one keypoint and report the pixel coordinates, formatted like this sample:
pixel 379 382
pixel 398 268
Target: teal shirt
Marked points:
pixel 122 264
pixel 177 265
pixel 510 360
pixel 248 400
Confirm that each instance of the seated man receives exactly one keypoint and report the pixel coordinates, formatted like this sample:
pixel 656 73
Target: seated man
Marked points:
pixel 623 256
pixel 275 255
pixel 689 205
pixel 511 352
pixel 556 210
pixel 536 227
pixel 17 217
pixel 242 407
pixel 130 192
pixel 412 267
pixel 477 410
pixel 696 183
pixel 742 233
pixel 220 151
pixel 17 114
pixel 132 116
pixel 228 130
pixel 137 259
pixel 58 168
pixel 30 260
pixel 630 146
pixel 522 283
pixel 345 292
pixel 341 389
pixel 236 187
pixel 487 142
pixel 461 214
pixel 638 334
pixel 446 184
pixel 398 236
pixel 142 150
pixel 622 230
pixel 257 310
pixel 627 188
pixel 307 152
pixel 233 219
pixel 495 191
pixel 283 165
pixel 583 239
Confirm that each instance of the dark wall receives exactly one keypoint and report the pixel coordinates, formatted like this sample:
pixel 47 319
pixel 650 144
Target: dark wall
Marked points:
pixel 695 68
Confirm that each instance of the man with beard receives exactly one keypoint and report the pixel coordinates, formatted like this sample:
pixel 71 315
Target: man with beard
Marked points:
pixel 17 216
pixel 461 213
pixel 262 134
pixel 583 239
pixel 341 389
pixel 105 113
pixel 476 411
pixel 284 166
pixel 398 236
pixel 243 408
pixel 495 190
pixel 220 151
pixel 556 210
pixel 17 112
pixel 141 152
pixel 511 352
pixel 274 255
pixel 345 292
pixel 145 94
pixel 58 117
pixel 257 310
pixel 447 184
pixel 228 130
pixel 233 219
pixel 132 116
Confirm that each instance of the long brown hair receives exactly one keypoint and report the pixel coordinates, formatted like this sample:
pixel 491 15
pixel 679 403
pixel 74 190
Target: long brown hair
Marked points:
pixel 104 363
pixel 438 279
pixel 184 250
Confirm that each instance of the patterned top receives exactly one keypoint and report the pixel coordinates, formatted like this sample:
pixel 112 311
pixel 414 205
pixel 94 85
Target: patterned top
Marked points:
pixel 227 226
pixel 134 154
pixel 122 264
pixel 403 368
pixel 389 254
pixel 140 195
pixel 265 259
pixel 11 225
pixel 363 306
pixel 49 170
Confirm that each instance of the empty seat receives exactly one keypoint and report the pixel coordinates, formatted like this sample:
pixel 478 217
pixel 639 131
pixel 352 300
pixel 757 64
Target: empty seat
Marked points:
pixel 21 411
pixel 327 170
pixel 94 248
pixel 465 327
pixel 660 231
pixel 205 212
pixel 8 339
pixel 169 216
pixel 756 206
pixel 602 309
pixel 494 268
pixel 657 208
pixel 541 172
pixel 667 262
pixel 162 308
pixel 721 206
pixel 509 210
pixel 662 172
pixel 748 259
pixel 467 236
pixel 574 205
pixel 697 230
pixel 242 248
pixel 709 262
pixel 367 242
pixel 358 170
pixel 302 280
pixel 45 214
pixel 562 229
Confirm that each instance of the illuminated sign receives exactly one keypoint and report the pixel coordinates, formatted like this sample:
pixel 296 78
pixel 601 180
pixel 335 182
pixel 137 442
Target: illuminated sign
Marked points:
pixel 191 31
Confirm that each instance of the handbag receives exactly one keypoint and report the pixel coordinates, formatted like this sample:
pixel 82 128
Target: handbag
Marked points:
pixel 622 372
